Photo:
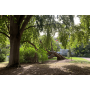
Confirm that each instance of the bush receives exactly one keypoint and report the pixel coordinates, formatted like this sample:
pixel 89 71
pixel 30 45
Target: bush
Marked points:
pixel 21 55
pixel 42 55
pixel 27 54
pixel 87 55
pixel 2 57
pixel 3 53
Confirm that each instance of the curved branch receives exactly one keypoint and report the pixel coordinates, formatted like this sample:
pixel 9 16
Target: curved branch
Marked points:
pixel 5 34
pixel 31 44
pixel 44 47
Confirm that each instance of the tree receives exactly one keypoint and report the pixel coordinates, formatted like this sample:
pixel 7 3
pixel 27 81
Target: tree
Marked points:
pixel 13 27
pixel 16 26
pixel 53 46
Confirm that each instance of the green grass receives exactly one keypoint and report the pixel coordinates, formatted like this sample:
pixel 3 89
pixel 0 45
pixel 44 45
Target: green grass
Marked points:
pixel 54 58
pixel 78 60
pixel 74 60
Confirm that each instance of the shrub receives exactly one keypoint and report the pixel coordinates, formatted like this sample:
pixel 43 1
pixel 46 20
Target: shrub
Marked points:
pixel 21 55
pixel 42 55
pixel 3 53
pixel 87 55
pixel 28 53
pixel 2 57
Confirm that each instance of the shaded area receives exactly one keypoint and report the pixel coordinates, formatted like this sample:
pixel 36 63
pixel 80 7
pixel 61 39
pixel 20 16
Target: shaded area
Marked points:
pixel 54 68
pixel 77 70
pixel 32 70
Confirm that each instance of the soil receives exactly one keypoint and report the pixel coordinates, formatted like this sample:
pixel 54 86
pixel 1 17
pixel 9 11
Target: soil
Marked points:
pixel 52 67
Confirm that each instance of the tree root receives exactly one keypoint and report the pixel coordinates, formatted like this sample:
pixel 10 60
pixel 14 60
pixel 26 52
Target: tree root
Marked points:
pixel 13 65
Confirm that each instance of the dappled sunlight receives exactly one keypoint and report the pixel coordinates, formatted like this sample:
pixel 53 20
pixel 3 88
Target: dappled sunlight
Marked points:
pixel 4 64
pixel 54 67
pixel 77 70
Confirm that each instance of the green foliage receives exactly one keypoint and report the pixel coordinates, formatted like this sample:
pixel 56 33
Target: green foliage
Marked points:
pixel 2 57
pixel 48 24
pixel 42 55
pixel 25 53
pixel 51 44
pixel 29 52
pixel 21 55
pixel 82 50
pixel 3 53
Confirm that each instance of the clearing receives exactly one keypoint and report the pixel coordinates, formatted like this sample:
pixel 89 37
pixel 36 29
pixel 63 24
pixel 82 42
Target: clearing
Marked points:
pixel 51 67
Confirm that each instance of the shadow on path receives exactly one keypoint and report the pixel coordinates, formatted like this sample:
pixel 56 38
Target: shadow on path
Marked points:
pixel 46 69
pixel 76 70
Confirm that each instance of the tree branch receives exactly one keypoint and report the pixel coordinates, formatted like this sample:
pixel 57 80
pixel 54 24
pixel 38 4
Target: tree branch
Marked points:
pixel 42 25
pixel 5 34
pixel 21 18
pixel 25 23
pixel 30 27
pixel 31 44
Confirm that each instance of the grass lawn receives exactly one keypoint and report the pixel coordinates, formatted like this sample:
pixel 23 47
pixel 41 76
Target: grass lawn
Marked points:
pixel 78 60
pixel 74 60
pixel 54 58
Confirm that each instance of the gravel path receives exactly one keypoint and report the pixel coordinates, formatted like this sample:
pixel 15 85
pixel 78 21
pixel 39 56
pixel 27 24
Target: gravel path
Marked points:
pixel 87 59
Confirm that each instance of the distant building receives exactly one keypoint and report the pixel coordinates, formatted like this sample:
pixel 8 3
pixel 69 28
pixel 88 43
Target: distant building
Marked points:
pixel 64 52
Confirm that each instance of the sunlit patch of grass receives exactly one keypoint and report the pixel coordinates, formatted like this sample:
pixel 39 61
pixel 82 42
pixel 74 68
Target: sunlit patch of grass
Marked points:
pixel 3 64
pixel 78 60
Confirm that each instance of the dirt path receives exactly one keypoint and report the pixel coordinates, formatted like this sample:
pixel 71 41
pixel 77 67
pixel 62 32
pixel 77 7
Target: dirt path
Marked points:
pixel 86 58
pixel 52 67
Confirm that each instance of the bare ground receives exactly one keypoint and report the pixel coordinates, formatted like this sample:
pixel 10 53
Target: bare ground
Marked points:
pixel 52 67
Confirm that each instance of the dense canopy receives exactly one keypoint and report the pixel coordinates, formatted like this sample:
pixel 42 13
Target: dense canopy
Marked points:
pixel 26 28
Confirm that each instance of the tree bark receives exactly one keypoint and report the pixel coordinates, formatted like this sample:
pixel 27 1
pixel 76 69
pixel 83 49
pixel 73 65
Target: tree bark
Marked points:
pixel 14 52
pixel 14 44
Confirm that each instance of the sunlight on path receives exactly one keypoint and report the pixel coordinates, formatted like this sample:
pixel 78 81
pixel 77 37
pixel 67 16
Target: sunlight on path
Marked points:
pixel 3 64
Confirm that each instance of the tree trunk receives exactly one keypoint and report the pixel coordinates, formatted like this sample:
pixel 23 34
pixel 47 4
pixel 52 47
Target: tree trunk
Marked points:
pixel 14 52
pixel 14 44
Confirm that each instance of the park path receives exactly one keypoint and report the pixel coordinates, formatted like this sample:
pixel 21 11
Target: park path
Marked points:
pixel 86 58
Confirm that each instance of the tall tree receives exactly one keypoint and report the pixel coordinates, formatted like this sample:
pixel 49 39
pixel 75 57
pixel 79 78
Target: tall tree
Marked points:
pixel 13 27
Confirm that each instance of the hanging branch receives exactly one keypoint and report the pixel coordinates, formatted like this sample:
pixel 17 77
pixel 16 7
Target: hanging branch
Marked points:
pixel 5 34
pixel 31 44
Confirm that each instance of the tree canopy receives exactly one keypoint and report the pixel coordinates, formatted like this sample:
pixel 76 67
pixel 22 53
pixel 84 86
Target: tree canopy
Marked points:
pixel 27 28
